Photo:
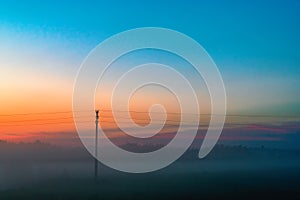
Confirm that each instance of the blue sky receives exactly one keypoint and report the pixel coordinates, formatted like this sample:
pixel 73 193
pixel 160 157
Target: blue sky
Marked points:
pixel 255 44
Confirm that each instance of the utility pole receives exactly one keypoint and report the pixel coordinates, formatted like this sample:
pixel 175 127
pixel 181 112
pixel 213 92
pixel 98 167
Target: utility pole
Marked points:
pixel 96 145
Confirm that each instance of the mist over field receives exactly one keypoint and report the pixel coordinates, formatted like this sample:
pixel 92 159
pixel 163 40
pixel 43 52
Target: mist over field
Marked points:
pixel 40 170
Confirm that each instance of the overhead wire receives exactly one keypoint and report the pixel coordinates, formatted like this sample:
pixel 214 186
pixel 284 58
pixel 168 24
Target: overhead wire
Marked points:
pixel 148 120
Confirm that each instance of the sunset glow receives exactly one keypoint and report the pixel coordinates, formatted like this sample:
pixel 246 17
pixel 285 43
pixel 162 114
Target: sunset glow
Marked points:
pixel 39 63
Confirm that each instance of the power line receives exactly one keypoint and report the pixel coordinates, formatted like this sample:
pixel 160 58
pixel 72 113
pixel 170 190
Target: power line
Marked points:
pixel 144 112
pixel 166 123
pixel 6 123
pixel 41 119
pixel 34 120
pixel 44 123
pixel 63 118
pixel 103 117
pixel 44 113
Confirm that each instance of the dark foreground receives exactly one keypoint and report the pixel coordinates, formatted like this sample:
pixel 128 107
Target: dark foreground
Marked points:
pixel 239 185
pixel 238 173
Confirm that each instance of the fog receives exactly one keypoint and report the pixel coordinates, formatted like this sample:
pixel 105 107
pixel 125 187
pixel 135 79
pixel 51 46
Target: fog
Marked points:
pixel 32 167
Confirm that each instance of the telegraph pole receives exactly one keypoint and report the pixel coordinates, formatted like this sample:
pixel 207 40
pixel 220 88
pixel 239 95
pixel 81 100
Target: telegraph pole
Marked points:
pixel 96 145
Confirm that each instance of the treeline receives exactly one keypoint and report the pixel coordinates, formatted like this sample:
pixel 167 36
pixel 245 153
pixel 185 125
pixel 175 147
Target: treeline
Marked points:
pixel 40 151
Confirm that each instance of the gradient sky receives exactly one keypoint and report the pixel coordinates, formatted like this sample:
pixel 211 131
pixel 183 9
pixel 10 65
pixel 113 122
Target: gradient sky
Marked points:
pixel 255 44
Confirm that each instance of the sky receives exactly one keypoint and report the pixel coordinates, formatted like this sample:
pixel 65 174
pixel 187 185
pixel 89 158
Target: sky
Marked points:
pixel 255 45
